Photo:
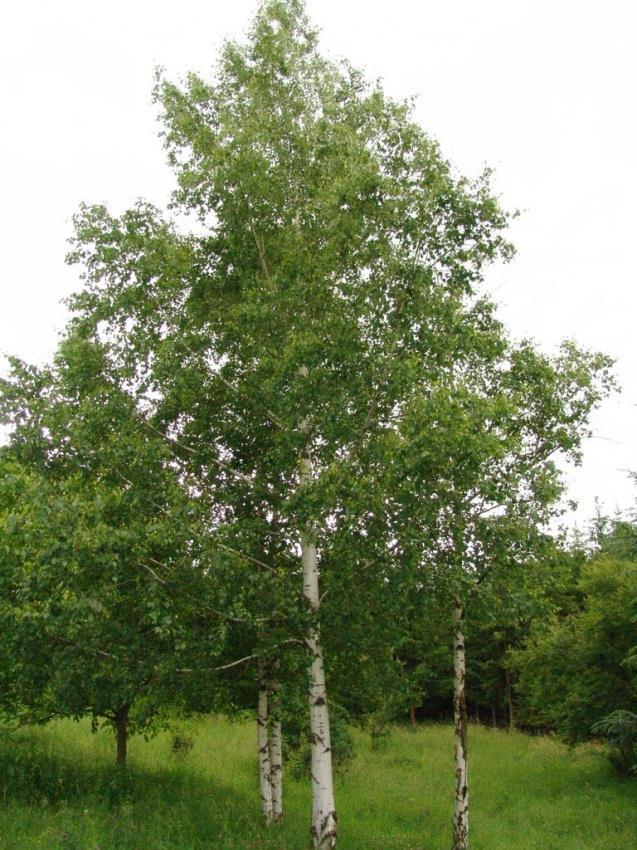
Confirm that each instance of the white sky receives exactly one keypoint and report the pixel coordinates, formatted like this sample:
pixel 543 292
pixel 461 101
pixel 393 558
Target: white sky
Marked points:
pixel 543 91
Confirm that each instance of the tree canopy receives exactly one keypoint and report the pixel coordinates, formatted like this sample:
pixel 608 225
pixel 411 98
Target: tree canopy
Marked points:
pixel 284 417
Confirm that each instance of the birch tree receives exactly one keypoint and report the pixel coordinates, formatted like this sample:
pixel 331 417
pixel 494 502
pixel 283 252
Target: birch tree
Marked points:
pixel 477 454
pixel 304 340
pixel 334 270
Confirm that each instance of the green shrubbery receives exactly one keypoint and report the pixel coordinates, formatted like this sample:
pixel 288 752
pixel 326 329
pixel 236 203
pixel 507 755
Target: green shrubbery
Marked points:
pixel 297 741
pixel 620 728
pixel 573 675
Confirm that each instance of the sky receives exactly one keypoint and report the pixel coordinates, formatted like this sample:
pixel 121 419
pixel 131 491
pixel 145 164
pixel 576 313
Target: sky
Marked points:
pixel 543 92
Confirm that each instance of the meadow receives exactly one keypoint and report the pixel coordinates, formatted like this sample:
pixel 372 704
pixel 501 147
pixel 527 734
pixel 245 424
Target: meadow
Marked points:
pixel 61 792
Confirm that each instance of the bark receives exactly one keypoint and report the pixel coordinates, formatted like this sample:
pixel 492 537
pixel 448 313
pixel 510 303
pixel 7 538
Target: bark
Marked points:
pixel 121 732
pixel 276 754
pixel 323 829
pixel 412 714
pixel 263 745
pixel 461 815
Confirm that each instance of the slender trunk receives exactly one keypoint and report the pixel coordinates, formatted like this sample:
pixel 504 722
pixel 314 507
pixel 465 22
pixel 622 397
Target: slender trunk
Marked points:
pixel 461 816
pixel 478 714
pixel 412 714
pixel 494 718
pixel 509 701
pixel 323 829
pixel 263 745
pixel 121 732
pixel 276 753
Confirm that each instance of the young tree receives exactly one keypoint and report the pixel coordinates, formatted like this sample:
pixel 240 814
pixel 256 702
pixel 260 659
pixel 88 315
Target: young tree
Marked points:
pixel 477 455
pixel 103 581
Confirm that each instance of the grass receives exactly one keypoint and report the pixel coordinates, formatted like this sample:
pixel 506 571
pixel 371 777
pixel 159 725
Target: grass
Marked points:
pixel 59 791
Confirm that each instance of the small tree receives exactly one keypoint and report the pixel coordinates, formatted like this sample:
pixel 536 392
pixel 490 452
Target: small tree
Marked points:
pixel 573 670
pixel 102 579
pixel 476 472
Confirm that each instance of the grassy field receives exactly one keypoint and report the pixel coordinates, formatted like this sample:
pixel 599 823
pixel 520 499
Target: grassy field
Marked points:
pixel 60 792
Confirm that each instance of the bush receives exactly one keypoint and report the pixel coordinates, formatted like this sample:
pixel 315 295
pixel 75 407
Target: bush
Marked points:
pixel 296 741
pixel 573 675
pixel 620 730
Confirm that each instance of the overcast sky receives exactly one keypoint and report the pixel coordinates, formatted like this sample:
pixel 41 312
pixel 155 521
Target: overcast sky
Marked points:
pixel 542 91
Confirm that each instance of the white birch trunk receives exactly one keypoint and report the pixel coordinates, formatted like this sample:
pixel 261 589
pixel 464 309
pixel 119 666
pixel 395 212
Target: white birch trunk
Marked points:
pixel 323 829
pixel 461 815
pixel 276 754
pixel 263 745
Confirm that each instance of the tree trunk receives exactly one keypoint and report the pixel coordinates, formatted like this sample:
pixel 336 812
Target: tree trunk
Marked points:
pixel 263 745
pixel 509 701
pixel 494 717
pixel 461 816
pixel 121 732
pixel 276 754
pixel 412 714
pixel 323 829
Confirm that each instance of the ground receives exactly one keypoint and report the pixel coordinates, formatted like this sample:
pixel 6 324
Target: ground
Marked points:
pixel 60 792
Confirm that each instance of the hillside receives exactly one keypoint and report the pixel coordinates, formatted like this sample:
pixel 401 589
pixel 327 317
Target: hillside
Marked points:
pixel 61 793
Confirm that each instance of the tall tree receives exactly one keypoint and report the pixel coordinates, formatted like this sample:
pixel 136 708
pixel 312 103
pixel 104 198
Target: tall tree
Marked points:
pixel 333 274
pixel 319 333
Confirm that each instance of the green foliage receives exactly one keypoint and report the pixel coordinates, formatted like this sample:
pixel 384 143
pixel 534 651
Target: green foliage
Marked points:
pixel 328 304
pixel 335 237
pixel 620 729
pixel 573 674
pixel 100 603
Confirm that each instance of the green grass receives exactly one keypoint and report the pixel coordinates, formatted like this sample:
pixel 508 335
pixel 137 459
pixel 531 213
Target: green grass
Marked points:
pixel 60 792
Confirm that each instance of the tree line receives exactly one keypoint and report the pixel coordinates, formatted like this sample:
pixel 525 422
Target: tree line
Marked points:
pixel 285 444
